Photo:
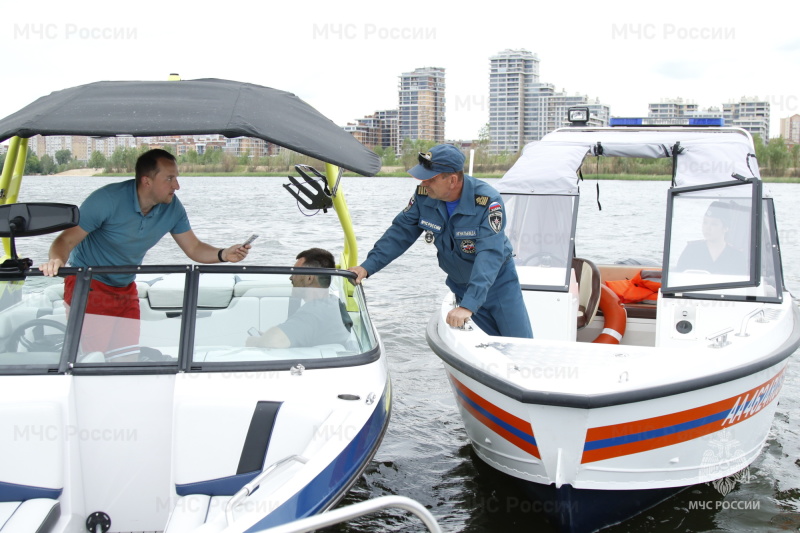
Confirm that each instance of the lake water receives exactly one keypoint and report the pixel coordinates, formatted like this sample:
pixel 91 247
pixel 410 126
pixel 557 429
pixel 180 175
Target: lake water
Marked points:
pixel 425 454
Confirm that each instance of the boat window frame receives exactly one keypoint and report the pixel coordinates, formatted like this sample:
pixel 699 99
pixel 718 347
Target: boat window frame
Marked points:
pixel 565 286
pixel 67 363
pixel 768 211
pixel 187 365
pixel 691 291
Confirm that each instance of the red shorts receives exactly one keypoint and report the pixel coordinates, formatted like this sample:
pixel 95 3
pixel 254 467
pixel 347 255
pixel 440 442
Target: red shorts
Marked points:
pixel 111 323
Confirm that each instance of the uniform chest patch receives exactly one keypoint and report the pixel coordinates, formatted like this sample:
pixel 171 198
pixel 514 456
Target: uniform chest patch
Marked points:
pixel 468 246
pixel 466 233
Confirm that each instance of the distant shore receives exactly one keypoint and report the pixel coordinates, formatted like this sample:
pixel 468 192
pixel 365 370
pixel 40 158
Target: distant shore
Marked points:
pixel 393 173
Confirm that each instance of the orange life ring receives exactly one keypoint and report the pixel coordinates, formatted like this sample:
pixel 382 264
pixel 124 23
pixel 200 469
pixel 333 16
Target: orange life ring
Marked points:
pixel 614 315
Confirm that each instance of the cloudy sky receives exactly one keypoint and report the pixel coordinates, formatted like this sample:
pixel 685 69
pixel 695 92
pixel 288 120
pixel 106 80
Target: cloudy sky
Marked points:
pixel 344 58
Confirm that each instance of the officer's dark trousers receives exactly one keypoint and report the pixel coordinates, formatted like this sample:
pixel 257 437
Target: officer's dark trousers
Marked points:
pixel 503 313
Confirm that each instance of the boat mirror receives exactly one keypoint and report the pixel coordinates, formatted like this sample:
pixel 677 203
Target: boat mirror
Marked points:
pixel 29 219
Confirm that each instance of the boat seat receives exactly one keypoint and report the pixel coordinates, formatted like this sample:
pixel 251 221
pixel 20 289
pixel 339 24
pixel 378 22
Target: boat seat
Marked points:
pixel 31 516
pixel 588 277
pixel 214 292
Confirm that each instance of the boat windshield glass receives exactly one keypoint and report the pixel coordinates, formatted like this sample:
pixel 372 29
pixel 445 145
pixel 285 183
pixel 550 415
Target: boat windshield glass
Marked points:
pixel 32 325
pixel 541 230
pixel 711 242
pixel 274 317
pixel 248 318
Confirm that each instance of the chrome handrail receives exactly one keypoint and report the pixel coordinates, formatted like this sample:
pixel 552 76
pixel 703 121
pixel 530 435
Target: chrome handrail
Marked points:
pixel 248 489
pixel 343 514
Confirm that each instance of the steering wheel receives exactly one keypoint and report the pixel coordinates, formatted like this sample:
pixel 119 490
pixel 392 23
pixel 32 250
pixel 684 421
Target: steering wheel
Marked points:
pixel 39 341
pixel 542 259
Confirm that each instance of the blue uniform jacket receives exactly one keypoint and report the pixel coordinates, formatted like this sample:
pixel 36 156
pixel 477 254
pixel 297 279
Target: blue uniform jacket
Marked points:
pixel 471 245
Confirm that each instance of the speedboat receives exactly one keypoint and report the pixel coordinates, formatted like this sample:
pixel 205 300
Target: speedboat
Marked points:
pixel 642 379
pixel 193 430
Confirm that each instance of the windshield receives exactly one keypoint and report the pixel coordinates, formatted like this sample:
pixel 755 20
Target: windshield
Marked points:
pixel 181 318
pixel 714 237
pixel 541 230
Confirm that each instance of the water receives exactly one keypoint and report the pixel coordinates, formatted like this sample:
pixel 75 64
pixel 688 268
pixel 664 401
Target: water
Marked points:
pixel 425 454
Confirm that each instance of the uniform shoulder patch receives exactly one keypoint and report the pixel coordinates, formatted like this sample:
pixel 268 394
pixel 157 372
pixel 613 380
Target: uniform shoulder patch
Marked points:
pixel 410 204
pixel 422 191
pixel 481 200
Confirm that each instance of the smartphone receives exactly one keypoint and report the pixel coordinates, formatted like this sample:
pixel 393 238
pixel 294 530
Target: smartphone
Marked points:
pixel 250 239
pixel 253 332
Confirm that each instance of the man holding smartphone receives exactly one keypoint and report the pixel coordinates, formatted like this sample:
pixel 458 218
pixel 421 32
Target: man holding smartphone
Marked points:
pixel 119 223
pixel 319 320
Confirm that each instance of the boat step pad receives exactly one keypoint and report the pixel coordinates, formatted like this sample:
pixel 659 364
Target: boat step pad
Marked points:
pixel 194 510
pixel 31 516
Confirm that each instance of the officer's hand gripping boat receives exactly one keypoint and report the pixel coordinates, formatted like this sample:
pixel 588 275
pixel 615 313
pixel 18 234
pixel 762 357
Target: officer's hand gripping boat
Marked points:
pixel 604 414
pixel 193 430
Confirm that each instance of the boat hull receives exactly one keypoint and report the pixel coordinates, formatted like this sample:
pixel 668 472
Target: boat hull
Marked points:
pixel 592 460
pixel 584 484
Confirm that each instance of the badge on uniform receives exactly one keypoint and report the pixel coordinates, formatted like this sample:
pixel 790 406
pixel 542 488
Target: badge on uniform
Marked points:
pixel 496 220
pixel 429 237
pixel 468 246
pixel 410 204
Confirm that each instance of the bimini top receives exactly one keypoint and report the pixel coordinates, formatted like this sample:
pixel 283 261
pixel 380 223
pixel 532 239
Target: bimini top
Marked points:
pixel 193 107
pixel 701 156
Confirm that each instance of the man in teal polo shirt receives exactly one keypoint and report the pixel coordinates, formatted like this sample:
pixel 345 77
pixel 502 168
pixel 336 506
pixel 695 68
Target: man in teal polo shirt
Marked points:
pixel 119 223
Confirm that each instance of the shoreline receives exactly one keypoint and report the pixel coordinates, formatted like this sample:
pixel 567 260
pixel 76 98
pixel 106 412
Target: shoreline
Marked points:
pixel 98 172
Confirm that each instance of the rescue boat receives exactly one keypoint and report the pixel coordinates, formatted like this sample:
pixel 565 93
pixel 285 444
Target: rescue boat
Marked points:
pixel 194 430
pixel 614 407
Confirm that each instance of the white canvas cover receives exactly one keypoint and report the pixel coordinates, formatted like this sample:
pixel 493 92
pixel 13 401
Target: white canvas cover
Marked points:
pixel 704 161
pixel 708 155
pixel 545 168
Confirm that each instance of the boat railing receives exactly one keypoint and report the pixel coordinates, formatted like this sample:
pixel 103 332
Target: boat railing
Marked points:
pixel 248 489
pixel 356 510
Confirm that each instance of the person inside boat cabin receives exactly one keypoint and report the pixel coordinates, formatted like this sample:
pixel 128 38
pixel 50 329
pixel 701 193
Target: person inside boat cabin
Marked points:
pixel 320 320
pixel 463 218
pixel 119 223
pixel 714 254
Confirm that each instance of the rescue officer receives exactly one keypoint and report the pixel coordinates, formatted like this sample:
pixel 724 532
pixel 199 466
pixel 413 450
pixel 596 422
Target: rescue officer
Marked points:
pixel 464 219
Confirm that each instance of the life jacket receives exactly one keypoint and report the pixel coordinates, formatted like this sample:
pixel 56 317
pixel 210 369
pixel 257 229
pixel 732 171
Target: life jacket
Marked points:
pixel 641 287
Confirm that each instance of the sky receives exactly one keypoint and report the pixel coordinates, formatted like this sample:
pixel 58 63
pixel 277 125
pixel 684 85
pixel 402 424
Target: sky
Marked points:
pixel 345 58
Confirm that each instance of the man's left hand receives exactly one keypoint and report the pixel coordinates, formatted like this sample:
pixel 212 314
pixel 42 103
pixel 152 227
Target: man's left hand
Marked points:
pixel 457 317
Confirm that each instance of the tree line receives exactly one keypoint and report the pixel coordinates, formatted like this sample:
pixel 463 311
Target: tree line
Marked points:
pixel 775 159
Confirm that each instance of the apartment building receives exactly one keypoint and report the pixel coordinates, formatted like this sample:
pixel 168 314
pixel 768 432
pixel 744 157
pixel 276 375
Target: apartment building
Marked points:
pixel 748 113
pixel 421 105
pixel 523 109
pixel 671 108
pixel 377 130
pixel 790 129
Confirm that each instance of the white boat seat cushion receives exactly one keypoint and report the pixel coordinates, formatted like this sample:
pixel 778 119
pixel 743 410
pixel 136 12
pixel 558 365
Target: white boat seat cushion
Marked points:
pixel 214 292
pixel 31 516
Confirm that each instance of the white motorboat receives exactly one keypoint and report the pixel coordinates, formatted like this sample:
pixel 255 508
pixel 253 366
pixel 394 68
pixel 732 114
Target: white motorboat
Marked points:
pixel 606 413
pixel 194 431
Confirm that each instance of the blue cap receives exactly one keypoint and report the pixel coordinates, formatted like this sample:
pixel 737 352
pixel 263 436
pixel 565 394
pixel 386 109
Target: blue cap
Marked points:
pixel 441 158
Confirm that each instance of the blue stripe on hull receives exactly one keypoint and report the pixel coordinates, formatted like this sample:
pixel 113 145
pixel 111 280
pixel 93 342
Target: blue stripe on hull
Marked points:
pixel 11 492
pixel 337 476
